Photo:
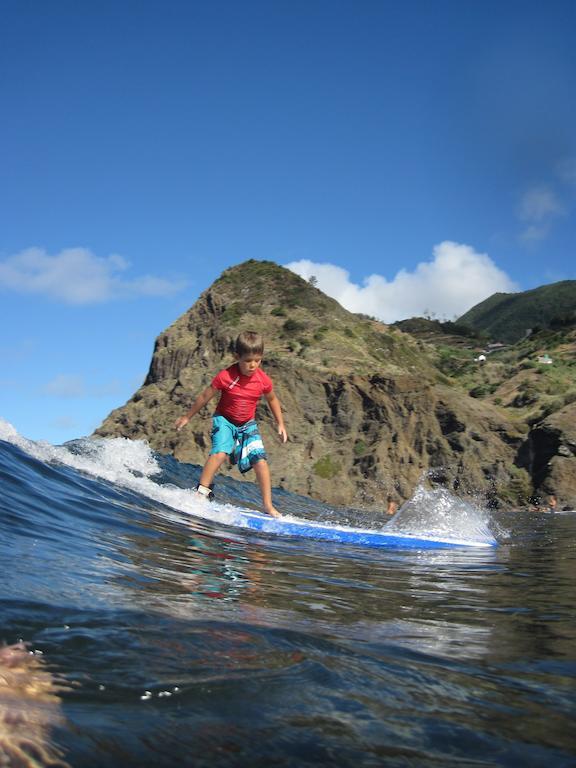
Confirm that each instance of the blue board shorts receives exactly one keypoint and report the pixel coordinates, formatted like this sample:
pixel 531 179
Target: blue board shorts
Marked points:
pixel 243 444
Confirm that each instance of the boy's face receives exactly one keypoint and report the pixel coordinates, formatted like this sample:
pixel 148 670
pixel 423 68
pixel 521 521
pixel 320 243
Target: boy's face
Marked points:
pixel 248 364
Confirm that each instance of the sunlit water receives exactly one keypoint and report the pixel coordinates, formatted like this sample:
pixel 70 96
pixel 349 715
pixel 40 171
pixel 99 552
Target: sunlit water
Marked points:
pixel 160 635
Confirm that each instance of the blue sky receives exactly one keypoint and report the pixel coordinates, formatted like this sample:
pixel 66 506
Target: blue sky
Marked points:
pixel 414 156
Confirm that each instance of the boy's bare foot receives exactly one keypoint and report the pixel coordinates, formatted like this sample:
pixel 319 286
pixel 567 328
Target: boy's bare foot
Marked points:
pixel 272 511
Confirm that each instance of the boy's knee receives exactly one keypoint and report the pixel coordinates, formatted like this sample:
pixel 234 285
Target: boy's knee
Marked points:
pixel 215 460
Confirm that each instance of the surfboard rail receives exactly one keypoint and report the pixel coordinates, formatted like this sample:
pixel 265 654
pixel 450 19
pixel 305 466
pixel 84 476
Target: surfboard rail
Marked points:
pixel 298 528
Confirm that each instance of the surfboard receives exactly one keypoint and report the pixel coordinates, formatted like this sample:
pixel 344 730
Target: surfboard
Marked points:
pixel 307 529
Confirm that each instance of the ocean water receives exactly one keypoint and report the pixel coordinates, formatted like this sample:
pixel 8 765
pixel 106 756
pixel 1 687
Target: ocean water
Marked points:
pixel 140 628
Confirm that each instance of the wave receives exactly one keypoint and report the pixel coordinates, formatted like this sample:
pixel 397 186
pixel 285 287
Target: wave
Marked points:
pixel 131 466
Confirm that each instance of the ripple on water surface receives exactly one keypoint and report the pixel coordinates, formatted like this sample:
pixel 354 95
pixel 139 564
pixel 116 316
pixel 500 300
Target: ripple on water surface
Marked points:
pixel 165 638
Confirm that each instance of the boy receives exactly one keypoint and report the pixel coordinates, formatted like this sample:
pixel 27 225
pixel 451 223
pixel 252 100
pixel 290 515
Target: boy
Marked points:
pixel 234 431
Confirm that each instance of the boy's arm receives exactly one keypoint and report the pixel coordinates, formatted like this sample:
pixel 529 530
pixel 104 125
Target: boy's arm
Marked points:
pixel 274 405
pixel 198 404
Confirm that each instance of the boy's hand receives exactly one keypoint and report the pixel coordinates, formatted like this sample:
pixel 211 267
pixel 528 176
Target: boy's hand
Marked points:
pixel 181 422
pixel 282 433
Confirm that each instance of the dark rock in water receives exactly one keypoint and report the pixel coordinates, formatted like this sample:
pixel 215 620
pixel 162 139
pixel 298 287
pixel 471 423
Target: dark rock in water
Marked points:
pixel 367 411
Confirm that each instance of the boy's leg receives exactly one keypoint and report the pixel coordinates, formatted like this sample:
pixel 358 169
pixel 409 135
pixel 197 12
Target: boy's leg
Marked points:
pixel 222 445
pixel 213 464
pixel 263 475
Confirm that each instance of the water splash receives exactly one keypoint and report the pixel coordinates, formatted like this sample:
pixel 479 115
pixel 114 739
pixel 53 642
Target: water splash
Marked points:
pixel 436 512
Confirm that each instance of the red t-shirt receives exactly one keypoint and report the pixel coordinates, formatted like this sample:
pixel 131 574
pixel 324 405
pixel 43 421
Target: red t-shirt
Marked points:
pixel 240 394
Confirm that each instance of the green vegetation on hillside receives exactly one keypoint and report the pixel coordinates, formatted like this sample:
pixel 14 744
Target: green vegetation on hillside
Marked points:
pixel 513 377
pixel 508 317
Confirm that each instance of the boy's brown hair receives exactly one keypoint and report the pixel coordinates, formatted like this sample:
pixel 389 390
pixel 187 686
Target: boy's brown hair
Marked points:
pixel 249 343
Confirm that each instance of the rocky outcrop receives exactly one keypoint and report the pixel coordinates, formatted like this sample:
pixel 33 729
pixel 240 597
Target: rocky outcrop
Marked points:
pixel 366 411
pixel 549 455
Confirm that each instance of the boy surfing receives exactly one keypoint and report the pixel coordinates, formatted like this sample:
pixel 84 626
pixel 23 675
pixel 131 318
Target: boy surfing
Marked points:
pixel 234 429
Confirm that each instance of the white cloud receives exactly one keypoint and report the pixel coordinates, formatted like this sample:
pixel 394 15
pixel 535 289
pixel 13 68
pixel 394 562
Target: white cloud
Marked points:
pixel 539 204
pixel 533 233
pixel 64 422
pixel 66 385
pixel 71 385
pixel 108 388
pixel 454 281
pixel 77 276
pixel 567 170
pixel 17 351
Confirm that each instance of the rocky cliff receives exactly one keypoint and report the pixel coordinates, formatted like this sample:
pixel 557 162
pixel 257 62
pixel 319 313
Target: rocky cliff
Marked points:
pixel 367 411
pixel 549 455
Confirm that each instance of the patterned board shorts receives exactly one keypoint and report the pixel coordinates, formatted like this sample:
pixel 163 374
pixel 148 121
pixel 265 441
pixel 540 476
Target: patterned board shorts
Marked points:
pixel 243 444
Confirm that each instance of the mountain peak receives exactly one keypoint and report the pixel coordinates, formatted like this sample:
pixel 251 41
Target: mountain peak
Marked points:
pixel 297 321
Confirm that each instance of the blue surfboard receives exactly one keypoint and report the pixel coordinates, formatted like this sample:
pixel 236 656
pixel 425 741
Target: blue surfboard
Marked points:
pixel 307 529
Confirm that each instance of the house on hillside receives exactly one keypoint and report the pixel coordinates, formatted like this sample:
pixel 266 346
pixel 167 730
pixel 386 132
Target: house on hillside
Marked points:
pixel 545 359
